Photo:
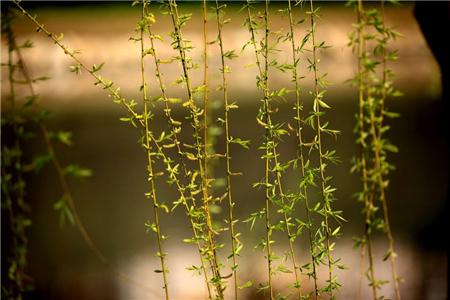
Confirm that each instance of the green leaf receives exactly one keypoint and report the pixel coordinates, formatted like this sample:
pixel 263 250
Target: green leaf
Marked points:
pixel 336 231
pixel 323 104
pixel 283 269
pixel 64 211
pixel 151 226
pixel 215 209
pixel 282 92
pixel 29 101
pixel 77 171
pixel 246 285
pixel 150 18
pixel 59 204
pixel 239 249
pixel 390 148
pixel 96 68
pixel 42 115
pixel 232 106
pixel 396 93
pixel 280 132
pixel 391 114
pixel 260 122
pixel 68 214
pixel 174 100
pixel 230 54
pixel 244 143
pixel 27 44
pixel 75 69
pixel 190 156
pixel 164 207
pixel 40 162
pixel 64 137
pixel 42 78
pixel 175 122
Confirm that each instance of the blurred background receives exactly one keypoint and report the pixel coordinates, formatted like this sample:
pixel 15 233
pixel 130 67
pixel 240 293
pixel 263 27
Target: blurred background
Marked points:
pixel 112 203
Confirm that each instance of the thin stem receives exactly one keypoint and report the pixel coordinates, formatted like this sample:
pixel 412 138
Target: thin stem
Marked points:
pixel 148 150
pixel 384 73
pixel 174 128
pixel 263 74
pixel 290 235
pixel 387 227
pixel 382 186
pixel 379 161
pixel 364 147
pixel 205 93
pixel 205 109
pixel 231 204
pixel 298 106
pixel 362 257
pixel 268 140
pixel 319 148
pixel 200 154
pixel 107 85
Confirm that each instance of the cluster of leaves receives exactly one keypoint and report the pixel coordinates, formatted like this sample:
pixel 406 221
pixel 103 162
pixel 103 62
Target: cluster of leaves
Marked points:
pixel 209 247
pixel 374 80
pixel 311 177
pixel 272 184
pixel 188 169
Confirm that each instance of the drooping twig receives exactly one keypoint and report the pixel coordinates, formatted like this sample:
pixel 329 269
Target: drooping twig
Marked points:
pixel 147 145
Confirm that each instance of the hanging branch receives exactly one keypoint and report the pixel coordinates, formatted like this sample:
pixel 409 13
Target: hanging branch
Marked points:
pixel 192 211
pixel 148 149
pixel 195 112
pixel 273 132
pixel 236 245
pixel 269 155
pixel 326 189
pixel 263 118
pixel 205 93
pixel 106 84
pixel 372 112
pixel 381 145
pixel 300 156
pixel 205 110
pixel 319 149
pixel 366 196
